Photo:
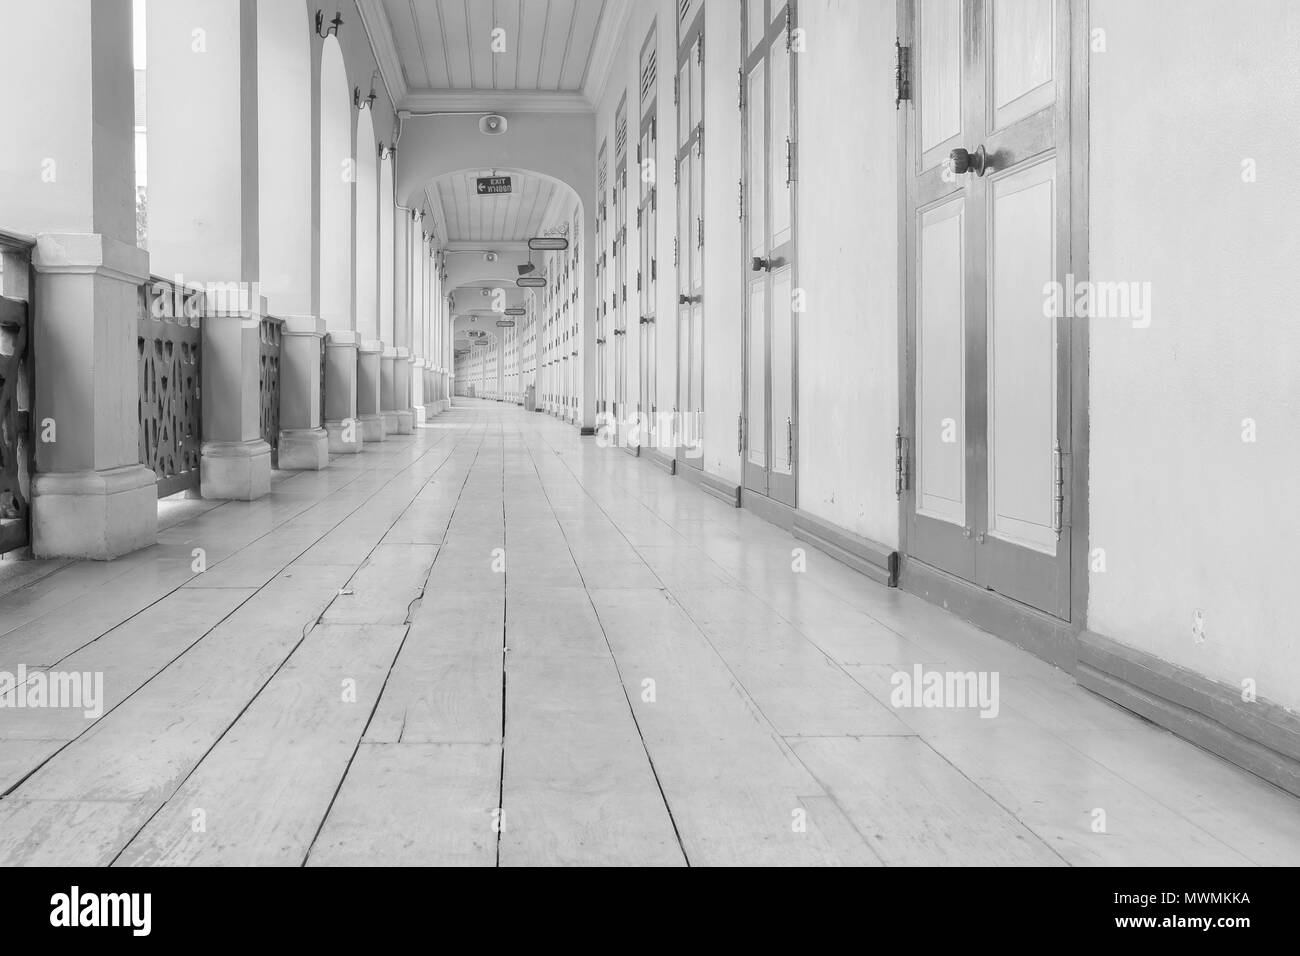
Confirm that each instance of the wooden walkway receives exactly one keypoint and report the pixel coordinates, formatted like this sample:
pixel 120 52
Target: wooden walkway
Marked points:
pixel 494 643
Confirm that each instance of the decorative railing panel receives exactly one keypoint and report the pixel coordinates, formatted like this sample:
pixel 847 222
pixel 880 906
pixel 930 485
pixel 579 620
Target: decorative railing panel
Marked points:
pixel 170 357
pixel 271 338
pixel 324 345
pixel 16 445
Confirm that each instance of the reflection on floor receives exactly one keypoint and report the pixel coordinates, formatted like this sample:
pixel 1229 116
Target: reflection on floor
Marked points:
pixel 493 642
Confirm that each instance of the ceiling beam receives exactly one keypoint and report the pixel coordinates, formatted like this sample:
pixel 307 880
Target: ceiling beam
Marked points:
pixel 494 101
pixel 613 24
pixel 374 20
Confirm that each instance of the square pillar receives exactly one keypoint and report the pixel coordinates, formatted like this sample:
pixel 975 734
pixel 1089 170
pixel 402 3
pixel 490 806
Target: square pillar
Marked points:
pixel 91 497
pixel 430 391
pixel 304 443
pixel 369 358
pixel 387 386
pixel 418 415
pixel 236 461
pixel 401 389
pixel 341 393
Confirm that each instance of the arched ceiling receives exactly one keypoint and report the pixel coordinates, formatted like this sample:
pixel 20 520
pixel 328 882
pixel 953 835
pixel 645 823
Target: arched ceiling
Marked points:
pixel 469 217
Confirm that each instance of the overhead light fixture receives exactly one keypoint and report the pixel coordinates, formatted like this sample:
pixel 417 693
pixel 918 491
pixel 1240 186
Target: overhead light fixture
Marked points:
pixel 531 282
pixel 543 244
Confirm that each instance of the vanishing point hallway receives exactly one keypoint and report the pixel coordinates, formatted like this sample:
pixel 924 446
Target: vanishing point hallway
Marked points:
pixel 492 642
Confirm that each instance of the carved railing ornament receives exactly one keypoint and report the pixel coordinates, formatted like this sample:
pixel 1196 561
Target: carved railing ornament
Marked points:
pixel 15 425
pixel 270 340
pixel 169 353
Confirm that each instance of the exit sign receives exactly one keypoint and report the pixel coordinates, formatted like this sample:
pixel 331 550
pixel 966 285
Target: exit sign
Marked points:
pixel 493 185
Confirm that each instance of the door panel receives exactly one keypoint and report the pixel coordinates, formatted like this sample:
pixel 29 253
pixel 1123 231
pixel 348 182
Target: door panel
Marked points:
pixel 1023 59
pixel 1022 358
pixel 756 386
pixel 756 181
pixel 939 61
pixel 782 416
pixel 779 173
pixel 940 364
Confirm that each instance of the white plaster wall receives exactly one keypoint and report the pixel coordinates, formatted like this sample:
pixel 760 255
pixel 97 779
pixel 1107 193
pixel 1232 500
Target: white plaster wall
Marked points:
pixel 1190 516
pixel 848 266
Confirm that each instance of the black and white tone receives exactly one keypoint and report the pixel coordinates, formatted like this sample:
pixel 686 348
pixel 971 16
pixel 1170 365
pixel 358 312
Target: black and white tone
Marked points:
pixel 639 433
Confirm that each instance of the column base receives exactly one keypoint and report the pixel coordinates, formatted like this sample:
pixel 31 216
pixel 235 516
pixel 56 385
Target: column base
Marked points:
pixel 304 449
pixel 344 437
pixel 235 470
pixel 391 424
pixel 418 417
pixel 405 423
pixel 99 515
pixel 430 410
pixel 371 427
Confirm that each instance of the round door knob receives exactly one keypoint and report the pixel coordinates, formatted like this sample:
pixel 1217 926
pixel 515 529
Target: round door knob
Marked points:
pixel 963 161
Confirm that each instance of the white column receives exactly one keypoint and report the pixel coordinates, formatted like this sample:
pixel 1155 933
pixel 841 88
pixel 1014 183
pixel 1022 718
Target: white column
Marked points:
pixel 203 216
pixel 401 401
pixel 419 243
pixel 66 178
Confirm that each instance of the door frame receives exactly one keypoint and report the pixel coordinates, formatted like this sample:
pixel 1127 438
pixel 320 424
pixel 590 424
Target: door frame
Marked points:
pixel 791 482
pixel 1050 637
pixel 686 41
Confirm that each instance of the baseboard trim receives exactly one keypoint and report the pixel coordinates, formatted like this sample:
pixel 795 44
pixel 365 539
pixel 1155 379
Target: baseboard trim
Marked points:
pixel 769 509
pixel 1262 737
pixel 660 460
pixel 1044 636
pixel 719 488
pixel 877 561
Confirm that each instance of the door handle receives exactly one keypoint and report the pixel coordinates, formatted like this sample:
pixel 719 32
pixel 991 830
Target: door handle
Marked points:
pixel 964 161
pixel 759 264
pixel 684 299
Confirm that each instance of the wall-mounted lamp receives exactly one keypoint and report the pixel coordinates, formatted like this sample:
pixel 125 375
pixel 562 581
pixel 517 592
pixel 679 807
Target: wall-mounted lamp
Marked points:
pixel 363 102
pixel 334 24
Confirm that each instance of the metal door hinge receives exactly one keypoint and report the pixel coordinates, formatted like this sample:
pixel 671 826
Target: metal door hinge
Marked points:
pixel 789 442
pixel 676 90
pixel 902 73
pixel 741 183
pixel 675 240
pixel 789 26
pixel 699 49
pixel 740 434
pixel 789 161
pixel 1058 494
pixel 699 227
pixel 900 463
pixel 740 96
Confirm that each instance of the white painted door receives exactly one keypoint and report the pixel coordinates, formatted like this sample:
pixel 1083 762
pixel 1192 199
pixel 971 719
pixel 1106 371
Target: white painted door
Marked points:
pixel 988 229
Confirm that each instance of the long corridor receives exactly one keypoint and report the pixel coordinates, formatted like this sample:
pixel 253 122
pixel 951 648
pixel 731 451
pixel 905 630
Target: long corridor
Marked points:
pixel 493 642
